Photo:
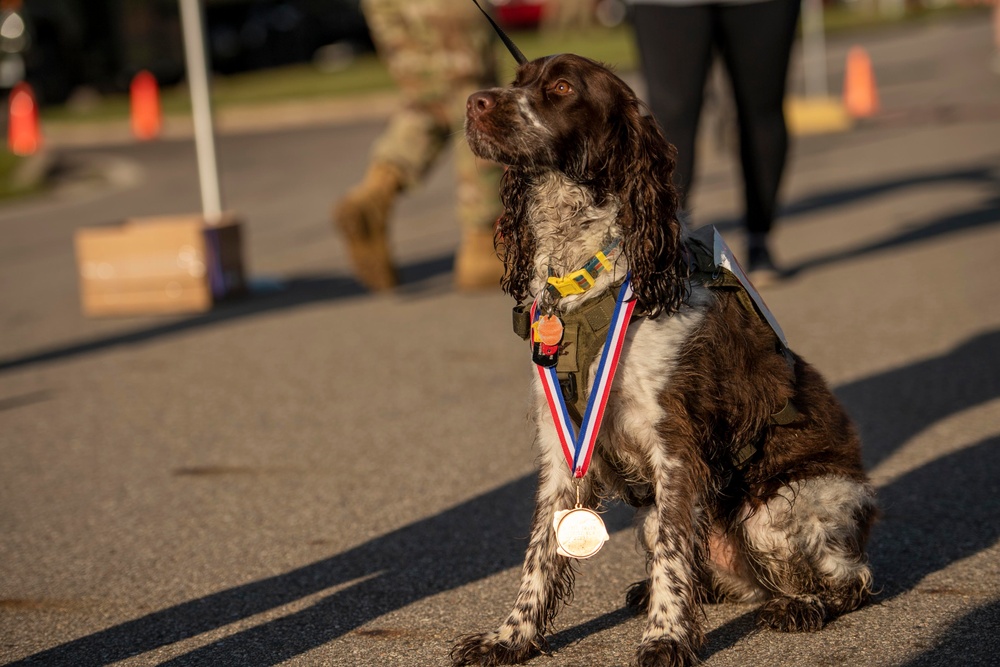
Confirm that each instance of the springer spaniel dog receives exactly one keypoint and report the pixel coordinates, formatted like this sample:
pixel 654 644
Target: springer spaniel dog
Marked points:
pixel 733 504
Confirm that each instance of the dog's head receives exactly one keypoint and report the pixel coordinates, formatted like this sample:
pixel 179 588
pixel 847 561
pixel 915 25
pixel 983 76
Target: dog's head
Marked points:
pixel 570 114
pixel 559 113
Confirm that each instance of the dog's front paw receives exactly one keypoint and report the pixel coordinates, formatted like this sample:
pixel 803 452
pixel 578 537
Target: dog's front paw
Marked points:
pixel 484 649
pixel 665 653
pixel 792 614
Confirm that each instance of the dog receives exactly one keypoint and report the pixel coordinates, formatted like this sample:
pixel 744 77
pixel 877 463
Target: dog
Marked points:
pixel 732 504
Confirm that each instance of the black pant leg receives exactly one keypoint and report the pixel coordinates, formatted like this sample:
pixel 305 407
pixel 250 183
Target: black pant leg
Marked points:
pixel 675 48
pixel 755 40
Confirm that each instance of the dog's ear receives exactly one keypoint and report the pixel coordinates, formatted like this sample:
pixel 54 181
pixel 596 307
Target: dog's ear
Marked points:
pixel 513 238
pixel 643 163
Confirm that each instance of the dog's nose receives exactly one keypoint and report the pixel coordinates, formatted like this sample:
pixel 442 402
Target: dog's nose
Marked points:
pixel 479 103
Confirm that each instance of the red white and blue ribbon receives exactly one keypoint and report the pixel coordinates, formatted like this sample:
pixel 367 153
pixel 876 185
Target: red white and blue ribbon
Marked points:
pixel 579 447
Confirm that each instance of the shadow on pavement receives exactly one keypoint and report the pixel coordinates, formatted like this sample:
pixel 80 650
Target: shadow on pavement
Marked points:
pixel 420 560
pixel 292 293
pixel 946 510
pixel 987 213
pixel 569 636
pixel 934 516
pixel 718 639
pixel 954 646
pixel 986 174
pixel 892 407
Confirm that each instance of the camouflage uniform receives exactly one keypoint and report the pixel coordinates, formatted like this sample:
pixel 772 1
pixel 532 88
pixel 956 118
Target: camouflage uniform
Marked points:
pixel 438 52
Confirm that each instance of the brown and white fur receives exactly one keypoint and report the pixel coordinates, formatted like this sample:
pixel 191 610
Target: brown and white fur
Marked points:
pixel 698 380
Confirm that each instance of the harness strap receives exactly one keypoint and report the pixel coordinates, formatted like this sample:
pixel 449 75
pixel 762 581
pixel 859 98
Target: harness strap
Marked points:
pixel 522 320
pixel 585 332
pixel 786 415
pixel 741 457
pixel 701 260
pixel 703 269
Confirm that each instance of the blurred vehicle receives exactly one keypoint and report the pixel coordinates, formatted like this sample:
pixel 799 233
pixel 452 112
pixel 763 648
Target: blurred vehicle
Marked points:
pixel 531 14
pixel 253 34
pixel 516 14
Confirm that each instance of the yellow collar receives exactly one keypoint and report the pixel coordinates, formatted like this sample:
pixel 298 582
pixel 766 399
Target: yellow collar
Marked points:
pixel 581 280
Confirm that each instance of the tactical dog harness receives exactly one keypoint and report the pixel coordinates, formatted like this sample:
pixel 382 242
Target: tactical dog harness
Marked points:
pixel 586 328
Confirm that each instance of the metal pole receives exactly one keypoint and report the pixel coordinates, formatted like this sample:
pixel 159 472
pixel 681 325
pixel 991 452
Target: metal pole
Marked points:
pixel 813 48
pixel 204 138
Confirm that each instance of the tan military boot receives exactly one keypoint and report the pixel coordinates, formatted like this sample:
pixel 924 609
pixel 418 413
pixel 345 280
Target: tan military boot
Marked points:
pixel 362 217
pixel 477 266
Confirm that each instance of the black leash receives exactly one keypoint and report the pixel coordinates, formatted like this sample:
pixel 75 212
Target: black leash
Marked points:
pixel 514 51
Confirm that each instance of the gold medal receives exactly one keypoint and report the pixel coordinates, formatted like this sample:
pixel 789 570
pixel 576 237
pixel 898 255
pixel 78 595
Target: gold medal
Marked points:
pixel 580 532
pixel 550 329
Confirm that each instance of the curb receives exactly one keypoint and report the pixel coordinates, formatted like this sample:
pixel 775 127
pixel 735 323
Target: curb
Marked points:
pixel 816 115
pixel 230 120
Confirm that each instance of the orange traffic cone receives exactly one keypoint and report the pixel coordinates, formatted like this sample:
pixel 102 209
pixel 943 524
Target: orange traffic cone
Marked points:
pixel 145 102
pixel 860 91
pixel 24 134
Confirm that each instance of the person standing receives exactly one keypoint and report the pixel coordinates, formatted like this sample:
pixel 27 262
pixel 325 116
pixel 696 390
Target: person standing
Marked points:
pixel 677 40
pixel 438 52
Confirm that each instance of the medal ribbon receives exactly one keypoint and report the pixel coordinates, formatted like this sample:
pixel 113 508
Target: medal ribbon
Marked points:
pixel 578 448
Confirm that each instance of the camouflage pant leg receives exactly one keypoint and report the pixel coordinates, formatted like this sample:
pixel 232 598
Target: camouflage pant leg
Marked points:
pixel 438 52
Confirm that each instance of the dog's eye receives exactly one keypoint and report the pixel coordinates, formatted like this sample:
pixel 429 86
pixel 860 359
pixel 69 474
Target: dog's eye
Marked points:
pixel 562 87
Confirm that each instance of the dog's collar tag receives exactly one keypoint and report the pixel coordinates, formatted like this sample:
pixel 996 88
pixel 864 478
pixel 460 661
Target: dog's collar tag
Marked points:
pixel 549 330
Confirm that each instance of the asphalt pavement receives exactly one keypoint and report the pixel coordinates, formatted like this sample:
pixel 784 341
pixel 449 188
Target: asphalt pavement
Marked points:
pixel 319 476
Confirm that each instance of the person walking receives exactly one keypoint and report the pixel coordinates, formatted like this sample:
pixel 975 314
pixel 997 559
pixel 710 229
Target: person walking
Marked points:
pixel 438 52
pixel 676 41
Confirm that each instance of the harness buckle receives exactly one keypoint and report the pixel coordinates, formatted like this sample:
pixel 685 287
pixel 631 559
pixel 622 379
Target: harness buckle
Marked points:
pixel 567 383
pixel 566 286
